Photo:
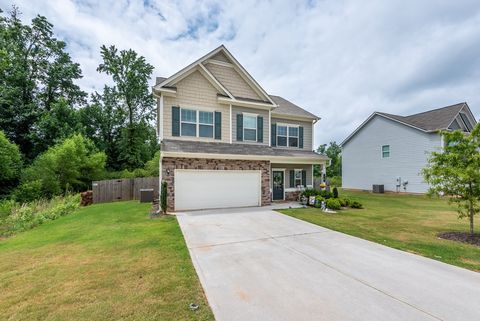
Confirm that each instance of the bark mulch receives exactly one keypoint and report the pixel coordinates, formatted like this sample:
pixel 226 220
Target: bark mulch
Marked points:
pixel 463 237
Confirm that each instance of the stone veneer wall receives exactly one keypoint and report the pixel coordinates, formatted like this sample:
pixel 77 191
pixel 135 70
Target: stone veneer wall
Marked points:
pixel 169 165
pixel 292 196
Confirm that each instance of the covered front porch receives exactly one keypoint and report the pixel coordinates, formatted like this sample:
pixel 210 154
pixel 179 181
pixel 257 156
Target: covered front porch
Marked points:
pixel 289 180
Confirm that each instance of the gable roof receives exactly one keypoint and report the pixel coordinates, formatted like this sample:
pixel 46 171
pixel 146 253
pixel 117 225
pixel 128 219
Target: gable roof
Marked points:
pixel 279 106
pixel 428 121
pixel 198 64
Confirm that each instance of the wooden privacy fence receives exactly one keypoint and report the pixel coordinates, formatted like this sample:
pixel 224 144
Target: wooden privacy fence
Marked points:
pixel 124 189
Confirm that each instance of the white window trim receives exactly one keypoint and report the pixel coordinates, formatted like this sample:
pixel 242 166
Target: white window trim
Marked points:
pixel 197 123
pixel 302 183
pixel 256 126
pixel 288 135
pixel 381 151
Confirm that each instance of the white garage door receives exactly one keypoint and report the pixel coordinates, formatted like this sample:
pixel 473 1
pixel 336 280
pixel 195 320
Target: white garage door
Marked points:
pixel 203 189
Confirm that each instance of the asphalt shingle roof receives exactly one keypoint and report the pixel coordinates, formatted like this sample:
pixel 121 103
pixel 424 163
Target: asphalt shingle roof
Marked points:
pixel 432 120
pixel 288 108
pixel 180 146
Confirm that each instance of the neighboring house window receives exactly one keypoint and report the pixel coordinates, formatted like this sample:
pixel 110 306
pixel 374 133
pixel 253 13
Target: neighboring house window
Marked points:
pixel 298 177
pixel 287 136
pixel 188 121
pixel 385 151
pixel 250 127
pixel 205 127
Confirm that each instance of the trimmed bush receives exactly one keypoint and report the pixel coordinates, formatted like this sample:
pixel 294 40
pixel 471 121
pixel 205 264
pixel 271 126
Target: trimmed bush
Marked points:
pixel 356 204
pixel 333 204
pixel 310 192
pixel 325 194
pixel 163 197
pixel 335 192
pixel 343 202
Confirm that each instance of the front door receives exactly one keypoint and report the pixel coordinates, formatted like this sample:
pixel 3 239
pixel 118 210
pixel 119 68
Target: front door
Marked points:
pixel 278 185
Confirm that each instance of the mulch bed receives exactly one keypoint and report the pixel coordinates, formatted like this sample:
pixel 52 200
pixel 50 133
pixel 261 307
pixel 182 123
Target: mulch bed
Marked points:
pixel 461 237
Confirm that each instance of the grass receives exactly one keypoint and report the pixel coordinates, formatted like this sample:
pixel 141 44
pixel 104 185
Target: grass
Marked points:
pixel 103 262
pixel 406 222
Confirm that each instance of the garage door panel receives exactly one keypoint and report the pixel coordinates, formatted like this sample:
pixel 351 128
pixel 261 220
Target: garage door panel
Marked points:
pixel 203 189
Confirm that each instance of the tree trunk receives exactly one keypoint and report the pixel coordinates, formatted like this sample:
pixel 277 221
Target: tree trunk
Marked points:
pixel 471 218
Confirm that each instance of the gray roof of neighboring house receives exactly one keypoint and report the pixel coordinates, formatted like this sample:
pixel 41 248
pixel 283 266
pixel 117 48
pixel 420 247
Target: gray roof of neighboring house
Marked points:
pixel 432 120
pixel 288 108
pixel 180 146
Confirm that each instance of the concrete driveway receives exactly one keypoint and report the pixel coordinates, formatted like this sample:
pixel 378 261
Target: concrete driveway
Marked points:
pixel 257 264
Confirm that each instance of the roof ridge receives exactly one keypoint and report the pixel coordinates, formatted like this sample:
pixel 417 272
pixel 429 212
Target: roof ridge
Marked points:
pixel 436 109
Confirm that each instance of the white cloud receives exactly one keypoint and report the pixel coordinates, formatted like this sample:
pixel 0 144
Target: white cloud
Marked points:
pixel 341 60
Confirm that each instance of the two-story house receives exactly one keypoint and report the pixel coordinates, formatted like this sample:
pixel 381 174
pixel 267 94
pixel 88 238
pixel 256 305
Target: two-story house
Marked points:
pixel 225 142
pixel 392 150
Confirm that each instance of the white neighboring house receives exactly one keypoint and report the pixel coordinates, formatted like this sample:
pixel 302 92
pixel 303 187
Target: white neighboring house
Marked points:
pixel 392 150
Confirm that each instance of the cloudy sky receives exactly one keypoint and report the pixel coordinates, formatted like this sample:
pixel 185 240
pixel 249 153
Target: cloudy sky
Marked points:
pixel 341 60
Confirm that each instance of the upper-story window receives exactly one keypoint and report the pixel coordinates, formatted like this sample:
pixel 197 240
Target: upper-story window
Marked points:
pixel 250 127
pixel 385 151
pixel 188 122
pixel 287 135
pixel 196 123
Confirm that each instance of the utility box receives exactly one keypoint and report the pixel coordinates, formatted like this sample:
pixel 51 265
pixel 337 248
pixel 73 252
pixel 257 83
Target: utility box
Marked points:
pixel 377 188
pixel 146 195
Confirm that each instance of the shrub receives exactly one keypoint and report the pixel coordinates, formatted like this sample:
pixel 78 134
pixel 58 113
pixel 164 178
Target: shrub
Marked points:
pixel 335 192
pixel 10 164
pixel 343 202
pixel 325 194
pixel 28 215
pixel 309 192
pixel 73 163
pixel 333 204
pixel 356 204
pixel 28 191
pixel 163 197
pixel 318 201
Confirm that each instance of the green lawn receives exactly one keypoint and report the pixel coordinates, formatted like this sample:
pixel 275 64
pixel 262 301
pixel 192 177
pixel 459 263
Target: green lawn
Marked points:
pixel 103 262
pixel 406 222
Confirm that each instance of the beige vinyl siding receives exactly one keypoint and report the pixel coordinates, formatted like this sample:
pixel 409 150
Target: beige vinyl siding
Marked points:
pixel 234 83
pixel 221 57
pixel 195 92
pixel 266 125
pixel 307 131
pixel 288 168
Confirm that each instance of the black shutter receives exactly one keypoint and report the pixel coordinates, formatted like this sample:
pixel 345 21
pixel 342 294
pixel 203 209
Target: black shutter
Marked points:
pixel 292 178
pixel 300 137
pixel 274 134
pixel 260 129
pixel 239 127
pixel 304 177
pixel 175 121
pixel 218 125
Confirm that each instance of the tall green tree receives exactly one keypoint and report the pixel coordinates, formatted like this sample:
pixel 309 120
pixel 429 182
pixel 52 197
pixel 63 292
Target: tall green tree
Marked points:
pixel 10 164
pixel 134 102
pixel 334 152
pixel 35 71
pixel 455 172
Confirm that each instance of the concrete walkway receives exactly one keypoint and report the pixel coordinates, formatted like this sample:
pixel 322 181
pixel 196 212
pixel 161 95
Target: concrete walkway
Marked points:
pixel 257 264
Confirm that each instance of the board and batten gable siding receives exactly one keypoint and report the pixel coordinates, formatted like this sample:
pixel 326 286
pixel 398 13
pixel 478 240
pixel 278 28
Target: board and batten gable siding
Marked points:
pixel 260 112
pixel 195 92
pixel 307 132
pixel 234 83
pixel 363 165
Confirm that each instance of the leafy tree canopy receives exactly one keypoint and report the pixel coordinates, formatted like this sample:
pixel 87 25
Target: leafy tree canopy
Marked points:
pixel 455 172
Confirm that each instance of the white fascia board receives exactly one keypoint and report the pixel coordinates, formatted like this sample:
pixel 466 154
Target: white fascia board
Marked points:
pixel 293 117
pixel 272 159
pixel 242 103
